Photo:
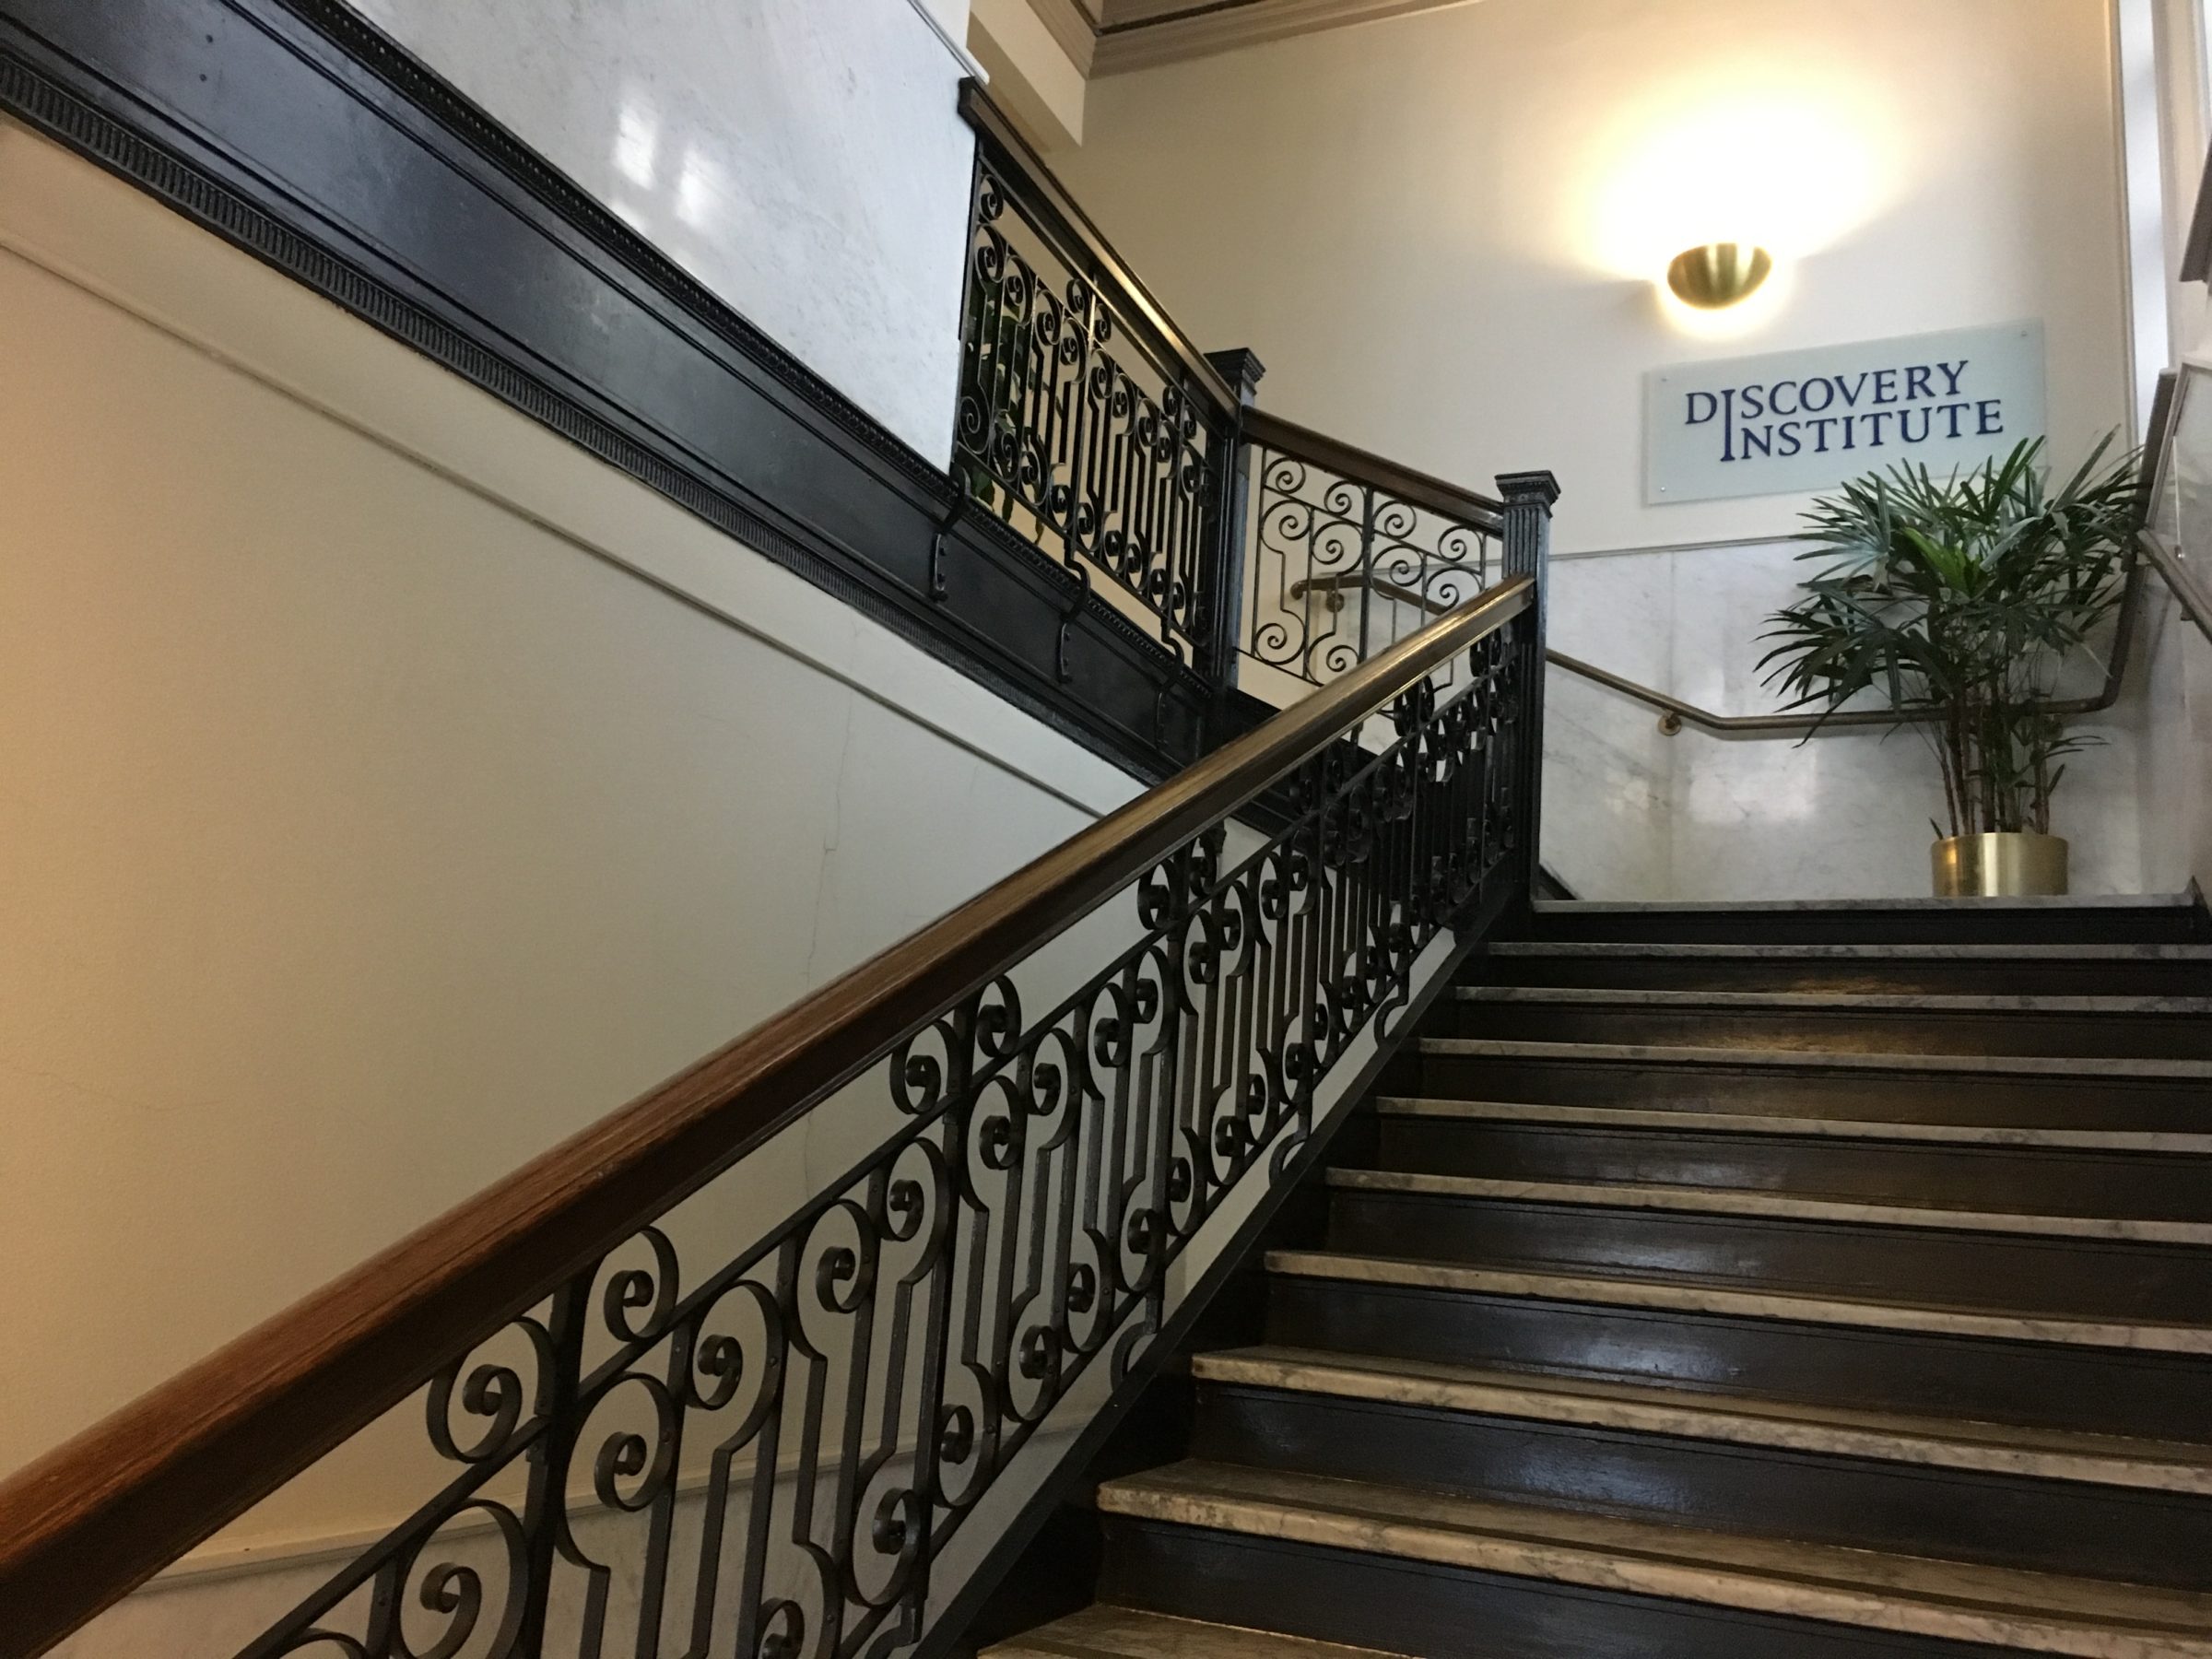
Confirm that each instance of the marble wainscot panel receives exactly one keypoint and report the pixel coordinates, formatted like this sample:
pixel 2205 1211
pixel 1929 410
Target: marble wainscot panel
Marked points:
pixel 2169 691
pixel 1608 821
pixel 804 161
pixel 1841 816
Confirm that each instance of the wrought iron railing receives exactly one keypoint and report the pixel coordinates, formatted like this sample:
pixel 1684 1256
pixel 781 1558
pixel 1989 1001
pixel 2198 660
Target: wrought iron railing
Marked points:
pixel 1084 420
pixel 1091 425
pixel 653 1420
pixel 1345 554
pixel 651 1426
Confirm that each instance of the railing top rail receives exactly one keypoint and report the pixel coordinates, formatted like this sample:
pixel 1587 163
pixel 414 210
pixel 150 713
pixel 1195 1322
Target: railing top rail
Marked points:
pixel 87 1522
pixel 2189 590
pixel 1011 151
pixel 1422 489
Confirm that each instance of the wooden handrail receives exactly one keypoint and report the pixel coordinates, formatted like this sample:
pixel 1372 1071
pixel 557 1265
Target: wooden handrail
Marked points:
pixel 90 1522
pixel 1361 467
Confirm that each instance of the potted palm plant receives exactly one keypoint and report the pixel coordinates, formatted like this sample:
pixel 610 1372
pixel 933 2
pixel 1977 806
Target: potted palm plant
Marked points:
pixel 1961 600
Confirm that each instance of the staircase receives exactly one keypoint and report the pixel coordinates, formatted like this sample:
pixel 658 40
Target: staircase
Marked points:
pixel 1783 1282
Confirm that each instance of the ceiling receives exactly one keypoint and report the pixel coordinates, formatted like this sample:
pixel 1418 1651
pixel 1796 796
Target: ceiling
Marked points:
pixel 1111 37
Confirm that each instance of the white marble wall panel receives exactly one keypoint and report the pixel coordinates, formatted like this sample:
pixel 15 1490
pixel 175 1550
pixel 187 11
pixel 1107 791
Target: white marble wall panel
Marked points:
pixel 1630 814
pixel 804 160
pixel 1608 823
pixel 2171 696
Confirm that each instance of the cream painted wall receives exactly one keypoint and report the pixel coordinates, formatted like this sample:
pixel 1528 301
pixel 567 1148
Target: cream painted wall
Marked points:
pixel 803 160
pixel 1031 77
pixel 389 791
pixel 1443 232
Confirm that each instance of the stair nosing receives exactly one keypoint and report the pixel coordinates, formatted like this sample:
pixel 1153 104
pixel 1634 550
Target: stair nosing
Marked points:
pixel 2168 1142
pixel 2045 904
pixel 1635 948
pixel 1687 1056
pixel 1069 1639
pixel 1748 1204
pixel 1678 1296
pixel 1716 1419
pixel 1648 1559
pixel 1837 1002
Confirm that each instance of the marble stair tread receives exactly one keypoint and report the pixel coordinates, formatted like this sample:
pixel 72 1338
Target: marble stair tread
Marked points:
pixel 1645 949
pixel 1832 1001
pixel 2187 899
pixel 1680 1293
pixel 1770 1205
pixel 1647 1054
pixel 1670 1120
pixel 1902 1595
pixel 1110 1633
pixel 1741 1421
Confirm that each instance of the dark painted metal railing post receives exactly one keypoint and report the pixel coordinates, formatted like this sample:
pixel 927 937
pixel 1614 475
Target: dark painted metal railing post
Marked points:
pixel 1528 498
pixel 1225 580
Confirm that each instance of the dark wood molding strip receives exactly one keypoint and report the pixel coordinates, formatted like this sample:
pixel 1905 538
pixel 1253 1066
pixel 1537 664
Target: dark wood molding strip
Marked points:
pixel 90 1522
pixel 298 132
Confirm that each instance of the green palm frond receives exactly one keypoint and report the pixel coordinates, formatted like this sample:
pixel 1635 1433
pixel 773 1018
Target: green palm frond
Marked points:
pixel 1965 596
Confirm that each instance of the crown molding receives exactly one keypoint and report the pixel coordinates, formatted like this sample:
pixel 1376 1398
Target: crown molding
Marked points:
pixel 1072 25
pixel 1143 34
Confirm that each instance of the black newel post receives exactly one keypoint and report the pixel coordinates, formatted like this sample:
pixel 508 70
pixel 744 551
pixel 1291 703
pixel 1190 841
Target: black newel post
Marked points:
pixel 1528 498
pixel 1225 579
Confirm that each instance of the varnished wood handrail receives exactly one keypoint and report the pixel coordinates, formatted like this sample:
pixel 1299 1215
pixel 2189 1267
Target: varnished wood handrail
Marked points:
pixel 87 1522
pixel 1422 489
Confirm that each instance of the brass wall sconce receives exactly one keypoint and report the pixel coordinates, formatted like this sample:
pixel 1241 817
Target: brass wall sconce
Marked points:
pixel 1718 274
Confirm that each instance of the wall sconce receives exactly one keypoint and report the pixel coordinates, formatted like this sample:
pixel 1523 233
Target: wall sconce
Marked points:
pixel 1718 274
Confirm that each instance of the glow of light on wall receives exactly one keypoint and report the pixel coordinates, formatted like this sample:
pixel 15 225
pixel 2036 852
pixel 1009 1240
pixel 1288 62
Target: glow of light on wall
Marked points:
pixel 697 188
pixel 1765 155
pixel 637 141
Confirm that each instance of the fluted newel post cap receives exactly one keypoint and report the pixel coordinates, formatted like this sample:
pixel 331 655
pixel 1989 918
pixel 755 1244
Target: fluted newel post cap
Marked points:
pixel 1241 367
pixel 1528 489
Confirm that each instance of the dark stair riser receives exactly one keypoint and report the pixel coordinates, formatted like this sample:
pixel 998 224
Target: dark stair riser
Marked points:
pixel 2022 976
pixel 2104 1391
pixel 1875 1095
pixel 1433 1612
pixel 1897 1031
pixel 2026 1181
pixel 1961 925
pixel 2087 1278
pixel 2051 1525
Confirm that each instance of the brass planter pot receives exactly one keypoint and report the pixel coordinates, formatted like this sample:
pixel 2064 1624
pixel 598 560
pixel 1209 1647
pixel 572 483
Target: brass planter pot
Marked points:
pixel 2013 864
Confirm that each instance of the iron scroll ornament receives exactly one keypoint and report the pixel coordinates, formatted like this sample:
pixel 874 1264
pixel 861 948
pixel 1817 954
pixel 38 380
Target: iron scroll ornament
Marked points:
pixel 1072 432
pixel 768 1457
pixel 1341 568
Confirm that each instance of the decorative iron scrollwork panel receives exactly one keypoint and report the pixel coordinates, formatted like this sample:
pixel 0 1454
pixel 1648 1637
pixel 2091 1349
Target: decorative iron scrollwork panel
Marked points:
pixel 1338 568
pixel 698 1451
pixel 1076 432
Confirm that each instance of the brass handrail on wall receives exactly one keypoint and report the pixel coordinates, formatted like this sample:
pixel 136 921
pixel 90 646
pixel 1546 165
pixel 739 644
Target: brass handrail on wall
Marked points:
pixel 1675 713
pixel 2187 587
